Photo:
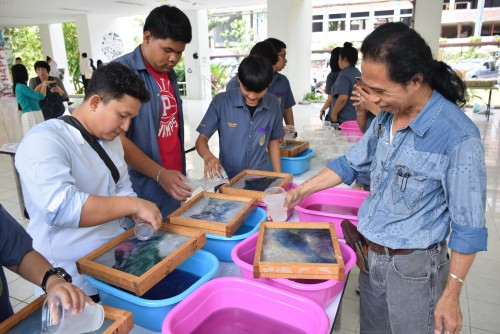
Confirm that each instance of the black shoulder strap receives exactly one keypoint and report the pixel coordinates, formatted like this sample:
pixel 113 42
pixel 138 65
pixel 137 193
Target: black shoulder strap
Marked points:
pixel 94 144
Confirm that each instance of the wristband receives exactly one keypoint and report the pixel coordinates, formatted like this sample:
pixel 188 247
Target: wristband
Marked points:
pixel 54 271
pixel 456 278
pixel 158 176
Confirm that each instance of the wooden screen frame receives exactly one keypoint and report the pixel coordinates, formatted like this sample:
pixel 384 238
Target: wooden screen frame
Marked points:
pixel 226 188
pixel 302 146
pixel 298 270
pixel 207 226
pixel 141 284
pixel 122 320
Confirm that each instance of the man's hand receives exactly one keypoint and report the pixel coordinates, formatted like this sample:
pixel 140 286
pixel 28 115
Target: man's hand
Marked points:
pixel 448 311
pixel 171 182
pixel 293 197
pixel 72 297
pixel 212 166
pixel 148 212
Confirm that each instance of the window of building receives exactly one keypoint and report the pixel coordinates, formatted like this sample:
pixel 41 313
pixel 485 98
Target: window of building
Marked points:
pixel 317 23
pixel 405 16
pixel 336 22
pixel 384 13
pixel 491 3
pixel 359 20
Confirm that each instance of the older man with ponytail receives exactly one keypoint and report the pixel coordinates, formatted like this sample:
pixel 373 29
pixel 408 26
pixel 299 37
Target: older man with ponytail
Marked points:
pixel 428 187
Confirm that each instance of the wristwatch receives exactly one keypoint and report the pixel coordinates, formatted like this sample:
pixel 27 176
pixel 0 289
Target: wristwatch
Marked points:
pixel 55 271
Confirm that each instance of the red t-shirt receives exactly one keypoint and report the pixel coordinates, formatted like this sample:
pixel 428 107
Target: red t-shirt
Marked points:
pixel 168 133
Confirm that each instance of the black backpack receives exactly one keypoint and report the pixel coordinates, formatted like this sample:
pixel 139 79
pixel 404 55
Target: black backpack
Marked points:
pixel 52 105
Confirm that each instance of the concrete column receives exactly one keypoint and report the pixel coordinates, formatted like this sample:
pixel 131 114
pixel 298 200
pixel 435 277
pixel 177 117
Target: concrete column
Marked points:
pixel 479 19
pixel 197 57
pixel 52 38
pixel 291 22
pixel 104 37
pixel 428 21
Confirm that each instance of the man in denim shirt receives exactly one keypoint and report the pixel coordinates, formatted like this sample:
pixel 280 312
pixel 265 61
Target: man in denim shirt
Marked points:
pixel 428 178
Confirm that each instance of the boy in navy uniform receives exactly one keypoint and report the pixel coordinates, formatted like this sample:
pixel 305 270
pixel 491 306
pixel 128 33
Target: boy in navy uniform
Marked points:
pixel 248 123
pixel 281 85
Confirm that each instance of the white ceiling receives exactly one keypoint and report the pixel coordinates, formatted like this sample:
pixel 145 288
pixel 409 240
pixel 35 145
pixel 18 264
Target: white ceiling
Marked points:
pixel 18 13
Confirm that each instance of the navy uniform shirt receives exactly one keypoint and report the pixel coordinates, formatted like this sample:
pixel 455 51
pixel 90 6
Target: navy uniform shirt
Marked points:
pixel 279 87
pixel 344 85
pixel 15 243
pixel 242 140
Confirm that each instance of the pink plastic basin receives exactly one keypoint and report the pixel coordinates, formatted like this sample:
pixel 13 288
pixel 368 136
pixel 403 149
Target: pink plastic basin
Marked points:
pixel 351 128
pixel 319 291
pixel 344 204
pixel 235 305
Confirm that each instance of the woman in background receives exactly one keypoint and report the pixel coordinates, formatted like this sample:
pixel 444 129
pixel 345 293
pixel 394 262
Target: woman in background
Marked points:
pixel 27 98
pixel 342 109
pixel 330 81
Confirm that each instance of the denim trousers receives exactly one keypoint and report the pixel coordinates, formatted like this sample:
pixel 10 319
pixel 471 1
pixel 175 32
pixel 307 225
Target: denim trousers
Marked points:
pixel 400 292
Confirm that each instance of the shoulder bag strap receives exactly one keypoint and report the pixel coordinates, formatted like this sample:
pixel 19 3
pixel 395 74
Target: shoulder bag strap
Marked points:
pixel 94 144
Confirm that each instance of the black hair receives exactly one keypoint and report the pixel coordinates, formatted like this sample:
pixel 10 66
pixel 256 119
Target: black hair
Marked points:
pixel 277 44
pixel 334 59
pixel 113 80
pixel 350 53
pixel 99 62
pixel 48 59
pixel 18 58
pixel 19 75
pixel 255 73
pixel 43 64
pixel 406 54
pixel 84 55
pixel 168 22
pixel 265 50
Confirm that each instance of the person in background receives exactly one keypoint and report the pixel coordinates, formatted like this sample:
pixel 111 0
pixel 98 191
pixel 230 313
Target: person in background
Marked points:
pixel 342 109
pixel 265 50
pixel 53 67
pixel 330 81
pixel 428 186
pixel 281 85
pixel 99 62
pixel 75 199
pixel 27 98
pixel 17 254
pixel 90 70
pixel 52 105
pixel 154 144
pixel 18 61
pixel 84 68
pixel 248 116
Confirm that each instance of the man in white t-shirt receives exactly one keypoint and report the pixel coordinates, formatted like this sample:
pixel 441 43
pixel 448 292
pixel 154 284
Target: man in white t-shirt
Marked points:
pixel 84 68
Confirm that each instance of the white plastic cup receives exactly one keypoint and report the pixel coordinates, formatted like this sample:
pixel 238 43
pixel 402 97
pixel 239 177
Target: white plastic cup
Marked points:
pixel 274 198
pixel 143 231
pixel 57 320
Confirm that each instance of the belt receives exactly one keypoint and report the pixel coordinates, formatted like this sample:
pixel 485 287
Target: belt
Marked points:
pixel 386 250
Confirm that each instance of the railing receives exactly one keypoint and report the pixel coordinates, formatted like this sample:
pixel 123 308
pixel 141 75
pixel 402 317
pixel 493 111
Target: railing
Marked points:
pixel 182 88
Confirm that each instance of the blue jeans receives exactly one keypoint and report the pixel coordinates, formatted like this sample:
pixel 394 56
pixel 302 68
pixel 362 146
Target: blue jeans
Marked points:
pixel 400 292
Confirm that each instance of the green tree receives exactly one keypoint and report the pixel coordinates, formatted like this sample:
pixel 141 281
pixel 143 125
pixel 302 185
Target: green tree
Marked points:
pixel 73 55
pixel 25 43
pixel 244 35
pixel 220 75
